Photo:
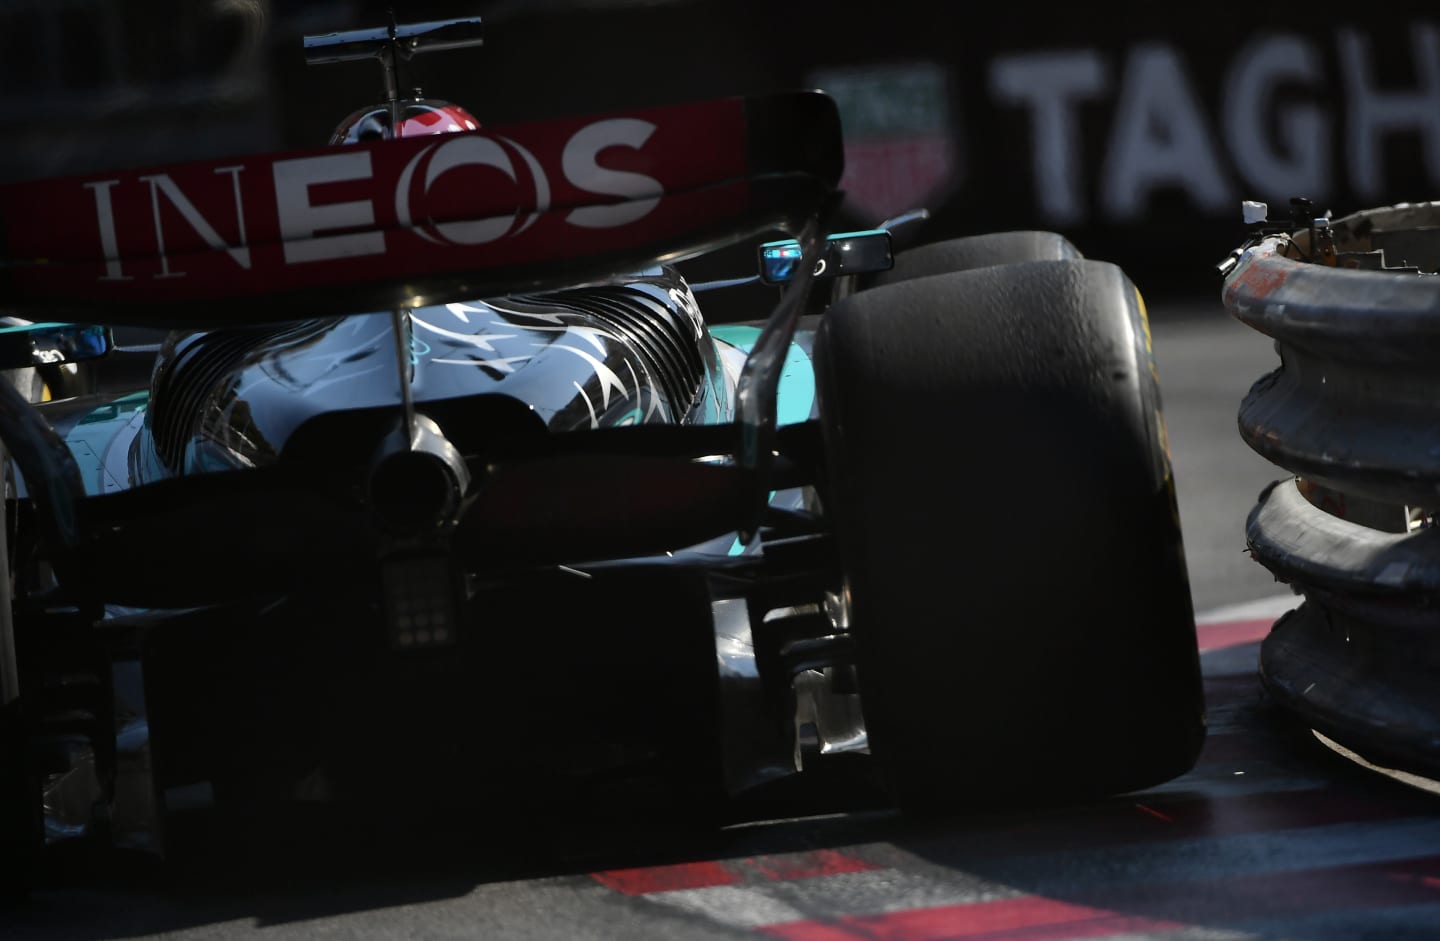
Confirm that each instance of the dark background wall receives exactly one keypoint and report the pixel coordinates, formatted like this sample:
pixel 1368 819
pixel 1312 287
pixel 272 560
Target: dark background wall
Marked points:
pixel 1136 130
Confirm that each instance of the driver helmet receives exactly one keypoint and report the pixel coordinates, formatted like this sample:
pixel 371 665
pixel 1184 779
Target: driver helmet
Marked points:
pixel 419 117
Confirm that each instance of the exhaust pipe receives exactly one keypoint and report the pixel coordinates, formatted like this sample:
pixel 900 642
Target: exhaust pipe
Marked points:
pixel 417 481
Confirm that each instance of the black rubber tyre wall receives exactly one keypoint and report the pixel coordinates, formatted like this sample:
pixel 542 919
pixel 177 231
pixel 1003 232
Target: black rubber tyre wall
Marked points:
pixel 20 809
pixel 999 485
pixel 977 251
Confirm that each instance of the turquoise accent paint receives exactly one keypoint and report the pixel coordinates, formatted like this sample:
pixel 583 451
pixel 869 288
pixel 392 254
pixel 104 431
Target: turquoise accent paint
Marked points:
pixel 737 547
pixel 28 327
pixel 796 397
pixel 122 407
pixel 838 236
pixel 81 341
pixel 90 438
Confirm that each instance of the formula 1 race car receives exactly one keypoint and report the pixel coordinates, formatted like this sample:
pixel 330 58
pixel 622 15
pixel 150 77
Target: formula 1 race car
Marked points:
pixel 440 471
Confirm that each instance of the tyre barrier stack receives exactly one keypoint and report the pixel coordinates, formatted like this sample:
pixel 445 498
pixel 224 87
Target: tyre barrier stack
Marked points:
pixel 1354 413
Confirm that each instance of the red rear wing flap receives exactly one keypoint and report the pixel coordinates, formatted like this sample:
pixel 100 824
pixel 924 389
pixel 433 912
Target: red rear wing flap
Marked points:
pixel 417 220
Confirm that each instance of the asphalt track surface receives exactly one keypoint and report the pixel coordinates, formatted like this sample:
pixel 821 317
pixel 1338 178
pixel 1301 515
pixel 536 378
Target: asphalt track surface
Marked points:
pixel 1271 836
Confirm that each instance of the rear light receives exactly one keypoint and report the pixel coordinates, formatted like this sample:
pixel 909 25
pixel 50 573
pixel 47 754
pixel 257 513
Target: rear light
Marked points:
pixel 420 595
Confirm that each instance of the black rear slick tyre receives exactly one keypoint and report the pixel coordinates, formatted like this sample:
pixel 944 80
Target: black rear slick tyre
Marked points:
pixel 21 823
pixel 1000 489
pixel 977 251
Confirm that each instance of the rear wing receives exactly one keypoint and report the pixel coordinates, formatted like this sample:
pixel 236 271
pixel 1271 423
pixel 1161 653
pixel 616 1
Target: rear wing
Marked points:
pixel 401 223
